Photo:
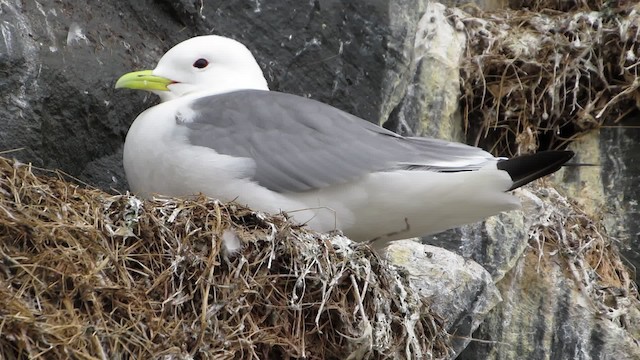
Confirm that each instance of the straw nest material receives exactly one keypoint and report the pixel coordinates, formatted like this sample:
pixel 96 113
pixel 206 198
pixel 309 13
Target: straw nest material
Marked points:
pixel 87 275
pixel 537 80
pixel 590 257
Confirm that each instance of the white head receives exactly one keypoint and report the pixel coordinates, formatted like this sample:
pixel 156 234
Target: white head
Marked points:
pixel 211 64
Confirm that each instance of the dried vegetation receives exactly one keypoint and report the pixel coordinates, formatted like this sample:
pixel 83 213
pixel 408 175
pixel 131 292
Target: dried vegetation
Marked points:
pixel 540 77
pixel 87 275
pixel 589 256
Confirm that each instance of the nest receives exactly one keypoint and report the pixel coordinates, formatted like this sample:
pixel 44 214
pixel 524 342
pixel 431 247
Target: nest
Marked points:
pixel 589 255
pixel 538 80
pixel 89 275
pixel 563 5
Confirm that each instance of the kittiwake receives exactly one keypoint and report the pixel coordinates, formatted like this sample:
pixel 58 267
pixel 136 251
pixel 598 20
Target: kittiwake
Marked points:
pixel 219 131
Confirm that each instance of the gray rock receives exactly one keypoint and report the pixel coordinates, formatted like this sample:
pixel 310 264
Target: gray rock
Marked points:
pixel 567 297
pixel 460 291
pixel 430 105
pixel 59 61
pixel 620 173
pixel 609 189
pixel 544 315
pixel 496 243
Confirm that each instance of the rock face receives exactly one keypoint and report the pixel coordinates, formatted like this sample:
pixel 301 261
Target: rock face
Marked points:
pixel 621 146
pixel 430 104
pixel 567 297
pixel 59 63
pixel 546 316
pixel 381 60
pixel 465 291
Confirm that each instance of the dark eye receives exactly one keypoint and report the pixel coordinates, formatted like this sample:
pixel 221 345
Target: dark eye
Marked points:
pixel 201 63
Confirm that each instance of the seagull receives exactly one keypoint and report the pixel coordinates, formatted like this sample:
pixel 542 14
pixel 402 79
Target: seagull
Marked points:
pixel 220 131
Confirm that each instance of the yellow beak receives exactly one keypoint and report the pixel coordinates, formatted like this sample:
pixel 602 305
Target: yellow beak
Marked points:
pixel 143 80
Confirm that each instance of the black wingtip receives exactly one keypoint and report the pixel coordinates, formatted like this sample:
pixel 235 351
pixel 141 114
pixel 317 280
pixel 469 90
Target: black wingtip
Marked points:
pixel 526 168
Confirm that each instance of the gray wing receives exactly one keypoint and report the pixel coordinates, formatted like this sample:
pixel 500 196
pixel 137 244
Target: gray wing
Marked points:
pixel 300 144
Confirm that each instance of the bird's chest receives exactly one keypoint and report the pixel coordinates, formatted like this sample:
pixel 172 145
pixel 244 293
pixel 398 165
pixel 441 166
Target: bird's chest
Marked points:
pixel 149 149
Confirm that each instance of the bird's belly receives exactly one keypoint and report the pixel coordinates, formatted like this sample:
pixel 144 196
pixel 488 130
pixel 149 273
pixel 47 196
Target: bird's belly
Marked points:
pixel 404 204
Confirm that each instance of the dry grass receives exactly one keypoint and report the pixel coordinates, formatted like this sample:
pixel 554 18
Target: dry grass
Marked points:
pixel 537 80
pixel 564 5
pixel 589 256
pixel 87 275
